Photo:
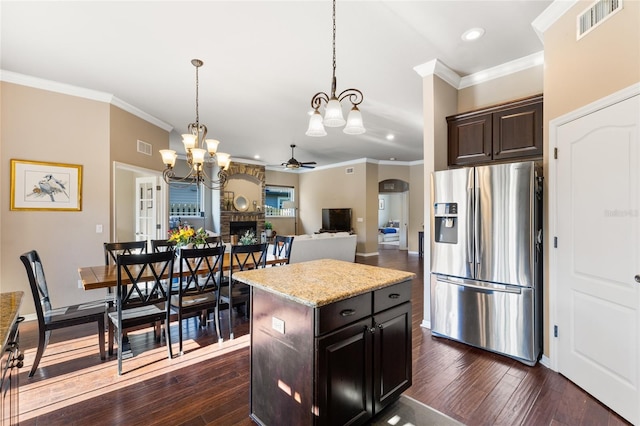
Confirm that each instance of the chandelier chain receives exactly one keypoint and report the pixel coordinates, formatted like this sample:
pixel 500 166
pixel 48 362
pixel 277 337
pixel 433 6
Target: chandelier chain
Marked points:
pixel 197 102
pixel 334 38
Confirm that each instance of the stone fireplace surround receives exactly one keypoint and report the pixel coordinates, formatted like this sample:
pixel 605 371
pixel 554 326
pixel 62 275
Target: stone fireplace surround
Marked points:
pixel 256 174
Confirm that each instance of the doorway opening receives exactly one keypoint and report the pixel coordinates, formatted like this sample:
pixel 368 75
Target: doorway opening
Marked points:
pixel 393 214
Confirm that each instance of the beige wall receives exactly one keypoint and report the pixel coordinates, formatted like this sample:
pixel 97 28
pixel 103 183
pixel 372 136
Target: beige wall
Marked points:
pixel 580 72
pixel 518 85
pixel 46 126
pixel 66 129
pixel 282 225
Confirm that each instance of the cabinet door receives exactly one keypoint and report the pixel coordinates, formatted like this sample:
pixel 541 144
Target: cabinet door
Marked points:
pixel 344 376
pixel 391 355
pixel 517 132
pixel 470 139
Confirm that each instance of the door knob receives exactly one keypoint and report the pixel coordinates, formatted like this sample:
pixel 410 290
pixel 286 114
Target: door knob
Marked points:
pixel 637 278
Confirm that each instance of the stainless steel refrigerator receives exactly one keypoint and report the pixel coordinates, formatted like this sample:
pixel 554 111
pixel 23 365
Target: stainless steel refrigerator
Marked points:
pixel 486 257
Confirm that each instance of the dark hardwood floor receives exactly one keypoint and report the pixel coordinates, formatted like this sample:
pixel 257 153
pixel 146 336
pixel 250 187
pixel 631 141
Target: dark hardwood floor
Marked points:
pixel 209 384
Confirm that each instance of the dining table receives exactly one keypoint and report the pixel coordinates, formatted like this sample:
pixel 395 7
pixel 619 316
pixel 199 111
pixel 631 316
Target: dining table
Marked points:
pixel 105 276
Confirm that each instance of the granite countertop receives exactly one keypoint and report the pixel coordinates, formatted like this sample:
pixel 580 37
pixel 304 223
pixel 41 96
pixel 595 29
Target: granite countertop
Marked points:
pixel 321 282
pixel 9 307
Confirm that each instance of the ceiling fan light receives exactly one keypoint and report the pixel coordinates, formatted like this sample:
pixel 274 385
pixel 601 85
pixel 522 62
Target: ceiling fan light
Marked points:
pixel 316 128
pixel 212 146
pixel 189 141
pixel 168 157
pixel 333 114
pixel 354 122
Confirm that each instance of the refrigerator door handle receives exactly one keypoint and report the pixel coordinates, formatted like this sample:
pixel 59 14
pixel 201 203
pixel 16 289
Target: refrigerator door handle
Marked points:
pixel 477 230
pixel 482 288
pixel 470 232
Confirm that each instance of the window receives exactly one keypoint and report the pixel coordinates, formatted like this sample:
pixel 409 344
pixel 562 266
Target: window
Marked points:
pixel 185 199
pixel 279 201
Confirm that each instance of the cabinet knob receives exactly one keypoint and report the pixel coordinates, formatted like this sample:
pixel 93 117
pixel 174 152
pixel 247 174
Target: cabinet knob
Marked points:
pixel 637 278
pixel 394 296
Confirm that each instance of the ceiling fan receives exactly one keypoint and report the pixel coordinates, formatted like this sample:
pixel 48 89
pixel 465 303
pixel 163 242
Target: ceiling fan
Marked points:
pixel 295 164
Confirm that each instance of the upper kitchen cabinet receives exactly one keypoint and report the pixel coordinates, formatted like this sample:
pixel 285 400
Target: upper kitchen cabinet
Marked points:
pixel 511 131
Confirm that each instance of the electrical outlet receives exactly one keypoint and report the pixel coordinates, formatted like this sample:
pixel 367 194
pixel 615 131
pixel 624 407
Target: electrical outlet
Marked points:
pixel 79 283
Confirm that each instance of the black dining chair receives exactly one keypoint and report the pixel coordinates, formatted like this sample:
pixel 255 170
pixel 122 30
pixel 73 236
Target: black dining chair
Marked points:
pixel 282 249
pixel 162 245
pixel 213 241
pixel 242 257
pixel 141 296
pixel 112 250
pixel 198 289
pixel 50 318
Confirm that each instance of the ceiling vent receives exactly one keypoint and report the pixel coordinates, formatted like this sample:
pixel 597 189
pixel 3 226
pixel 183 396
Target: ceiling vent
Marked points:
pixel 348 170
pixel 144 148
pixel 595 15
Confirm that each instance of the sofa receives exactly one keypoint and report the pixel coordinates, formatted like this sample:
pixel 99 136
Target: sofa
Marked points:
pixel 338 245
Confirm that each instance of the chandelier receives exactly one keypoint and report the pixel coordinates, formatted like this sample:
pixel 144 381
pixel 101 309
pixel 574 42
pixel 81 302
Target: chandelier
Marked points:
pixel 333 110
pixel 194 143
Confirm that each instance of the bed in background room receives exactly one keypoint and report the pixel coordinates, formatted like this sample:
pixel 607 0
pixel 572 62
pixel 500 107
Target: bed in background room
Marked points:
pixel 390 232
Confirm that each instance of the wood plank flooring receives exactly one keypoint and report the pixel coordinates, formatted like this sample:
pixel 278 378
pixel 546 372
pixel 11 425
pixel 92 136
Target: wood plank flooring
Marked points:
pixel 209 384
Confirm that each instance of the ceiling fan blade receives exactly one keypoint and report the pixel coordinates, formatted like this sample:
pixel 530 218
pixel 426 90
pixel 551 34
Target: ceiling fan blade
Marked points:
pixel 307 162
pixel 307 166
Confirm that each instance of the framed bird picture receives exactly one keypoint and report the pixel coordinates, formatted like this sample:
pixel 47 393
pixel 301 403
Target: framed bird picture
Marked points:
pixel 39 185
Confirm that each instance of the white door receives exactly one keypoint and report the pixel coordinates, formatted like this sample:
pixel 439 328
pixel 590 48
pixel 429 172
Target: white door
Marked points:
pixel 146 205
pixel 598 255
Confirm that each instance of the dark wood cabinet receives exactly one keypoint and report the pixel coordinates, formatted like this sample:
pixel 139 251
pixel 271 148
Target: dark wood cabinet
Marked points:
pixel 338 364
pixel 505 132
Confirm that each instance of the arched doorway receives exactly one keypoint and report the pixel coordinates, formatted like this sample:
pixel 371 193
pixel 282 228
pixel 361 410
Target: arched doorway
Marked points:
pixel 393 213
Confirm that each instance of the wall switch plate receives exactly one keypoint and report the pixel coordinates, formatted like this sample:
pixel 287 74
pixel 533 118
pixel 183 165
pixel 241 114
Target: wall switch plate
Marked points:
pixel 360 219
pixel 79 283
pixel 98 229
pixel 277 324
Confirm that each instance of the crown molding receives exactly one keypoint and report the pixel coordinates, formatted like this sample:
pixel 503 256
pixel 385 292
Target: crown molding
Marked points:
pixel 436 67
pixel 502 70
pixel 550 15
pixel 80 92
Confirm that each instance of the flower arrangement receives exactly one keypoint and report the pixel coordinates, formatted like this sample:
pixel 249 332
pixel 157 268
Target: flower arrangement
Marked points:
pixel 248 238
pixel 184 235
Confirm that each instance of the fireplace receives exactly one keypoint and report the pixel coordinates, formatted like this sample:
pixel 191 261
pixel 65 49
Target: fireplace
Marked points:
pixel 238 228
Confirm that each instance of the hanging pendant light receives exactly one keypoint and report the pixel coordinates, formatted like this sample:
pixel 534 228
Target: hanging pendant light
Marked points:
pixel 333 111
pixel 197 146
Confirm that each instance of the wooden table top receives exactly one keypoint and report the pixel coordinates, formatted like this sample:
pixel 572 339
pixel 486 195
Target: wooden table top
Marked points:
pixel 104 276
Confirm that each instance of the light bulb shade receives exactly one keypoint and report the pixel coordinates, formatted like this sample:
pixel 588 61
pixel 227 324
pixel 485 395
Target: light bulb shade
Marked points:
pixel 198 155
pixel 354 122
pixel 189 141
pixel 212 146
pixel 316 128
pixel 224 160
pixel 333 114
pixel 168 157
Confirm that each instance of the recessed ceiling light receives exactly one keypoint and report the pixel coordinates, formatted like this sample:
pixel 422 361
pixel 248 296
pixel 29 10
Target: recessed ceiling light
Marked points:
pixel 473 34
pixel 390 137
pixel 392 158
pixel 257 157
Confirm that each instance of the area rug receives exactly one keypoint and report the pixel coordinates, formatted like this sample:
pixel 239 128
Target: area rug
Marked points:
pixel 406 411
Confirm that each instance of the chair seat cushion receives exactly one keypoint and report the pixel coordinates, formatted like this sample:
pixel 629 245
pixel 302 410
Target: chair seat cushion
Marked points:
pixel 194 300
pixel 74 312
pixel 139 315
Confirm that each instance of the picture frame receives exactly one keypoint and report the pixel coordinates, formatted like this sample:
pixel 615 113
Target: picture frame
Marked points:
pixel 38 185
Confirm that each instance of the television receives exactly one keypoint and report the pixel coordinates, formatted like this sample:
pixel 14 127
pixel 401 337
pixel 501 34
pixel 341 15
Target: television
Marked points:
pixel 336 220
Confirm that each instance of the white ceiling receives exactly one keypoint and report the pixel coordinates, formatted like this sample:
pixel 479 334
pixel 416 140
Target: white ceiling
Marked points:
pixel 264 60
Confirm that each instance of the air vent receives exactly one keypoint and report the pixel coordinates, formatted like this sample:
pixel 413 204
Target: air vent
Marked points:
pixel 599 12
pixel 348 170
pixel 144 148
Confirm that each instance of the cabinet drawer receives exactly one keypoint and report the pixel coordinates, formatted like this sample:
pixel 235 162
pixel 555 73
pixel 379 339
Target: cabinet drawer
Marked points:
pixel 339 314
pixel 391 296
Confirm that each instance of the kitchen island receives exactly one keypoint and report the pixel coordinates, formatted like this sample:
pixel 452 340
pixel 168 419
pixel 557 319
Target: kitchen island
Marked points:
pixel 330 341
